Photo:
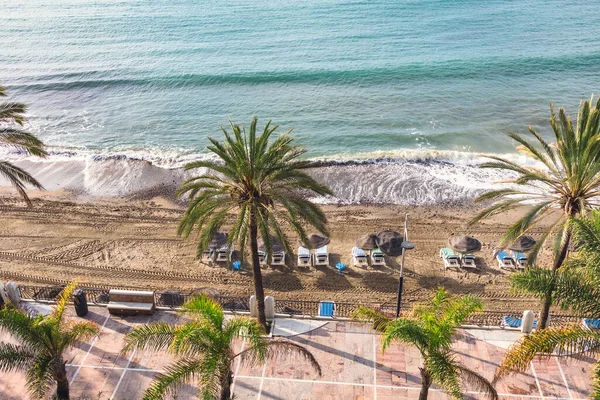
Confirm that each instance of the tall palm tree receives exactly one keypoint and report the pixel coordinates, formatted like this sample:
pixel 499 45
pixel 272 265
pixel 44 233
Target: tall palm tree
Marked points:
pixel 430 329
pixel 204 346
pixel 577 288
pixel 11 114
pixel 261 182
pixel 43 341
pixel 564 183
pixel 576 285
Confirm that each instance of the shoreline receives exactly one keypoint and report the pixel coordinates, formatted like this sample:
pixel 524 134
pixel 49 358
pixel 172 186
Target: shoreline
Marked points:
pixel 132 243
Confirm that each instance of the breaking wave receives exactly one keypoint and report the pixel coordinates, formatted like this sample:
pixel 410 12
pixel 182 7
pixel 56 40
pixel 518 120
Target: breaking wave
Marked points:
pixel 406 177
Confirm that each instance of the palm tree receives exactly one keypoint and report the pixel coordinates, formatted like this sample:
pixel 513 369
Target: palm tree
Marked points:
pixel 43 340
pixel 565 185
pixel 430 329
pixel 577 287
pixel 204 346
pixel 553 342
pixel 11 114
pixel 262 182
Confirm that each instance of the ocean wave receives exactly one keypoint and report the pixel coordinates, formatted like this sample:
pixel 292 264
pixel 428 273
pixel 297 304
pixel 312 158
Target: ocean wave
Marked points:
pixel 409 72
pixel 407 177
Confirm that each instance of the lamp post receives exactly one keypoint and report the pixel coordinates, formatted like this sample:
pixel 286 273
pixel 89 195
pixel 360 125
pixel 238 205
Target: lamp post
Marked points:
pixel 406 245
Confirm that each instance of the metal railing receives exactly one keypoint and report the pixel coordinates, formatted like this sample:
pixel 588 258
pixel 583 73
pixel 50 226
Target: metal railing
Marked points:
pixel 308 308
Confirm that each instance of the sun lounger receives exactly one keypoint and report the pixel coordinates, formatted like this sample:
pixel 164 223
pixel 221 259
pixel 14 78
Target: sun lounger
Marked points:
pixel 278 258
pixel 208 256
pixel 451 259
pixel 224 254
pixel 468 261
pixel 520 259
pixel 513 322
pixel 321 256
pixel 591 323
pixel 326 308
pixel 262 257
pixel 303 257
pixel 359 257
pixel 504 260
pixel 377 257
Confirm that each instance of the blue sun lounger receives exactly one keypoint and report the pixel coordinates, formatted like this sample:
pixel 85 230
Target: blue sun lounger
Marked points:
pixel 504 260
pixel 513 322
pixel 520 259
pixel 591 323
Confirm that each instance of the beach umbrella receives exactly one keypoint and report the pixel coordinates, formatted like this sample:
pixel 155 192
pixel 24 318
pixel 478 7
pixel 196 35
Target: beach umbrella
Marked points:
pixel 523 243
pixel 390 242
pixel 367 242
pixel 219 240
pixel 315 241
pixel 275 245
pixel 464 244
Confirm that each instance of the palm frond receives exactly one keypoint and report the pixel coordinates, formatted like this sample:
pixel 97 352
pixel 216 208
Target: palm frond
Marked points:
pixel 155 336
pixel 14 357
pixel 559 341
pixel 22 141
pixel 405 331
pixel 175 375
pixel 40 376
pixel 18 179
pixel 379 321
pixel 477 381
pixel 63 299
pixel 444 371
pixel 206 308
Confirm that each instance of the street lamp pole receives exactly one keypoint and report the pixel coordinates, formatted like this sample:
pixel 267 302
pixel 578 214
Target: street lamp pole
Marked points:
pixel 406 245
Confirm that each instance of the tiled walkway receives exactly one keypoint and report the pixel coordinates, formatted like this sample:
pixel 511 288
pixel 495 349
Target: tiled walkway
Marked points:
pixel 350 357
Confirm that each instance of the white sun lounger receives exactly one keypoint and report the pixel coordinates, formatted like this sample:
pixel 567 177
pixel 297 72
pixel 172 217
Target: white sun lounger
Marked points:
pixel 377 257
pixel 468 261
pixel 451 259
pixel 359 257
pixel 303 257
pixel 278 258
pixel 504 260
pixel 321 256
pixel 262 257
pixel 520 259
pixel 224 254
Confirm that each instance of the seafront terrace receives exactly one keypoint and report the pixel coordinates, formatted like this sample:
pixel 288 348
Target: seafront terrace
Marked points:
pixel 349 353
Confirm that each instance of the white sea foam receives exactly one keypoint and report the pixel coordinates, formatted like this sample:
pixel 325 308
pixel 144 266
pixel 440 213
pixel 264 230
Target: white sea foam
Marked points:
pixel 408 177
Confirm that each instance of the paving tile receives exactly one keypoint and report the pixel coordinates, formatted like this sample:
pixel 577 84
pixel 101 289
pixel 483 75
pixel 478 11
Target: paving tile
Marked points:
pixel 94 383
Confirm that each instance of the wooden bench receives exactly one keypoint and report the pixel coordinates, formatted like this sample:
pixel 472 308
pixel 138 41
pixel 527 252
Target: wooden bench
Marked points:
pixel 130 302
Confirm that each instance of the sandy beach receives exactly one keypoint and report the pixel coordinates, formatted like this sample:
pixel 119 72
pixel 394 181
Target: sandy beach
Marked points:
pixel 133 243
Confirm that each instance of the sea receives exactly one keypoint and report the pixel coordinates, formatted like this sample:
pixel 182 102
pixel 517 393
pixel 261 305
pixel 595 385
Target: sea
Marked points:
pixel 398 101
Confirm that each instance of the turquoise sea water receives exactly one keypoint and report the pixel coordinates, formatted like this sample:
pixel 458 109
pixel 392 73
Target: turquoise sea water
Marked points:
pixel 358 79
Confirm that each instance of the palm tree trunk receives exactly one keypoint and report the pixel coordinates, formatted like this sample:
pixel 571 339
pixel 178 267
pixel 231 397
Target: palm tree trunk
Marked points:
pixel 558 262
pixel 62 382
pixel 226 386
pixel 425 383
pixel 257 273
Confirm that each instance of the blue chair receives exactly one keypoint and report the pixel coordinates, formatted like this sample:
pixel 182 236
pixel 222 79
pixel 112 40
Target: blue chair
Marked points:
pixel 591 323
pixel 340 267
pixel 236 265
pixel 326 308
pixel 512 322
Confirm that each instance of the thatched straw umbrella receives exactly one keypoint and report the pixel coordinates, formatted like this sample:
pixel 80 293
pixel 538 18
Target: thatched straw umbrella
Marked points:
pixel 315 241
pixel 390 243
pixel 523 244
pixel 367 242
pixel 464 244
